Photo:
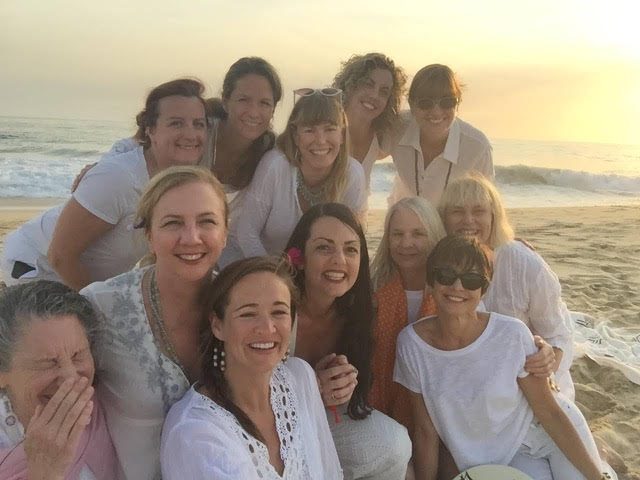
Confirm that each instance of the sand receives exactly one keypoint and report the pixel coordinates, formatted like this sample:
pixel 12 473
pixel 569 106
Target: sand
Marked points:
pixel 596 253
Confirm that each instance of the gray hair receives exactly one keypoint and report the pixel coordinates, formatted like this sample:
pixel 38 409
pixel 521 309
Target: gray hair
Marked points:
pixel 25 303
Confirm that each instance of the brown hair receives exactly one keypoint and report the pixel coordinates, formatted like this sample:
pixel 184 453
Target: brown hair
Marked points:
pixel 214 299
pixel 434 81
pixel 147 118
pixel 312 110
pixel 354 73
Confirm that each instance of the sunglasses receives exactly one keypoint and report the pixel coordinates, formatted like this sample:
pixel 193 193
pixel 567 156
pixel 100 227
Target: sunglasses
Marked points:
pixel 327 92
pixel 470 280
pixel 445 103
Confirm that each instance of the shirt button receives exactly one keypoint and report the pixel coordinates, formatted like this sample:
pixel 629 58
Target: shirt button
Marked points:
pixel 10 420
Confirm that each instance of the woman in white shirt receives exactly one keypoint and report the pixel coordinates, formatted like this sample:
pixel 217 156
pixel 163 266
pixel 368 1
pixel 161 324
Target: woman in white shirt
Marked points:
pixel 373 87
pixel 310 166
pixel 465 370
pixel 433 145
pixel 523 285
pixel 253 414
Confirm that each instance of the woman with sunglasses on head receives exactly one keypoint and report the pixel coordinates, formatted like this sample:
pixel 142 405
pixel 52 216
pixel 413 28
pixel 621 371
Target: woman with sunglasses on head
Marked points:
pixel 412 228
pixel 254 414
pixel 310 165
pixel 373 87
pixel 334 326
pixel 523 285
pixel 466 373
pixel 434 146
pixel 92 237
pixel 147 349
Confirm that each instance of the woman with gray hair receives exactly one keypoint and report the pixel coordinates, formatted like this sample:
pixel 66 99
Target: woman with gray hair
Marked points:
pixel 51 424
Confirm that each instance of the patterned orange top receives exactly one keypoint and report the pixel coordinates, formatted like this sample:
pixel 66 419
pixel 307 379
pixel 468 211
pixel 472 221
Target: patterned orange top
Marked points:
pixel 391 317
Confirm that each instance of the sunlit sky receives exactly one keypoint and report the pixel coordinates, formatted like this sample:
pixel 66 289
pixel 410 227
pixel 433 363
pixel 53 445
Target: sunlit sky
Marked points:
pixel 543 70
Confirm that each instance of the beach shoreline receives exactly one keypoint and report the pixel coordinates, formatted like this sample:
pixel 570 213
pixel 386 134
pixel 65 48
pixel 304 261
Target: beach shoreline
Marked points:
pixel 595 251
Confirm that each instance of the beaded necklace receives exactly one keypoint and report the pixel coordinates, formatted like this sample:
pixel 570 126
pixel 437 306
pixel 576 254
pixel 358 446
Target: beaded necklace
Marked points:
pixel 312 196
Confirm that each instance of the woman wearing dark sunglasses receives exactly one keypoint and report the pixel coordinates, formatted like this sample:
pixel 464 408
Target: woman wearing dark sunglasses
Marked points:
pixel 434 146
pixel 465 371
pixel 310 166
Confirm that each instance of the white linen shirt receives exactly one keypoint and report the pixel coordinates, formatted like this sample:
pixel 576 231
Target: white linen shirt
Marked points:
pixel 467 149
pixel 200 439
pixel 523 286
pixel 270 209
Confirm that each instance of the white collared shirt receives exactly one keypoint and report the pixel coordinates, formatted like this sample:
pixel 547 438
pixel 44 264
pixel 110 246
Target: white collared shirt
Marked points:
pixel 467 149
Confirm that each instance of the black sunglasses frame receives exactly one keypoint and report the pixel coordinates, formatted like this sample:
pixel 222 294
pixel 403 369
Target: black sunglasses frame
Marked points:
pixel 445 103
pixel 470 280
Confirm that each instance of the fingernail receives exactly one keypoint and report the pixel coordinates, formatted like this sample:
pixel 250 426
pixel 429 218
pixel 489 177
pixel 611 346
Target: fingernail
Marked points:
pixel 83 380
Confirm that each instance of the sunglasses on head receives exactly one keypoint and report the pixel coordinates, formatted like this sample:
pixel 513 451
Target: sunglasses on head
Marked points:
pixel 445 103
pixel 327 92
pixel 470 280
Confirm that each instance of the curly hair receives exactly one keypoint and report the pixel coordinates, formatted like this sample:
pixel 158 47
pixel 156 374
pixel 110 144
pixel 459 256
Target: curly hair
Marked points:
pixel 354 73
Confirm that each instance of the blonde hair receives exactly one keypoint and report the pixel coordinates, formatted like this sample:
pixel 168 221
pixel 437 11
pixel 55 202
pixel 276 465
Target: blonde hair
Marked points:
pixel 475 189
pixel 313 110
pixel 382 266
pixel 171 178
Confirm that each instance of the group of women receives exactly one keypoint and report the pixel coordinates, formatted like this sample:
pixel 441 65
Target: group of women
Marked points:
pixel 191 369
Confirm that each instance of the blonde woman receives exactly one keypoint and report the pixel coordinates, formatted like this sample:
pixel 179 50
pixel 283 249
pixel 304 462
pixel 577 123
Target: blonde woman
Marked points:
pixel 399 271
pixel 523 285
pixel 311 165
pixel 147 351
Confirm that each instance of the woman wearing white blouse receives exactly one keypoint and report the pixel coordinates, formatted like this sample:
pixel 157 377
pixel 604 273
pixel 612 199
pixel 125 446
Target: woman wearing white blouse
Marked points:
pixel 254 414
pixel 310 166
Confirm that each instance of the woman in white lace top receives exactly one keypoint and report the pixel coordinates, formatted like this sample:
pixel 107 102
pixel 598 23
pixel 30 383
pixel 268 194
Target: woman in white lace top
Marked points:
pixel 523 285
pixel 254 414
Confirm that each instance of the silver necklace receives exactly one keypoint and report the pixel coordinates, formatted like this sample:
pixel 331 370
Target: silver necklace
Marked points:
pixel 156 313
pixel 312 196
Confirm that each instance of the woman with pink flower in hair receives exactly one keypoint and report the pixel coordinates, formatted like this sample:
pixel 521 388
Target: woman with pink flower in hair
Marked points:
pixel 333 333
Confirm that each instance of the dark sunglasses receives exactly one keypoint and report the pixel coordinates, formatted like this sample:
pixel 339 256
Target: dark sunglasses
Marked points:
pixel 470 280
pixel 445 103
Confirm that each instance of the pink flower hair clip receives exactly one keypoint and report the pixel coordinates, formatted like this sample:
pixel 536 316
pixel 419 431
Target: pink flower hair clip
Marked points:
pixel 295 257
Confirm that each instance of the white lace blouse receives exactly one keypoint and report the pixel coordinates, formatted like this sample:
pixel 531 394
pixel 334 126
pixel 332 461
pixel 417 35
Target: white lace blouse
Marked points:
pixel 202 440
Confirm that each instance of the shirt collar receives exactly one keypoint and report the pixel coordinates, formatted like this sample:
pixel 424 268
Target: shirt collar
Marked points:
pixel 411 138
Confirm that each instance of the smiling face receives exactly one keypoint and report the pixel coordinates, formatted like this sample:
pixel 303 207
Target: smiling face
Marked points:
pixel 250 106
pixel 256 327
pixel 46 354
pixel 331 258
pixel 319 146
pixel 475 220
pixel 370 97
pixel 434 122
pixel 179 135
pixel 455 299
pixel 408 241
pixel 188 230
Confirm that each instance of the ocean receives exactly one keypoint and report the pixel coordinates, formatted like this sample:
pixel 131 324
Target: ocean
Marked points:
pixel 39 157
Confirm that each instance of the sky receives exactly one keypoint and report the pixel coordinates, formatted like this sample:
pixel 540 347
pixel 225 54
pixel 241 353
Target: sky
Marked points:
pixel 557 70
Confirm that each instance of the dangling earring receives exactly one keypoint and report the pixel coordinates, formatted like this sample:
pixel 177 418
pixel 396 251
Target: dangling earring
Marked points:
pixel 221 363
pixel 286 356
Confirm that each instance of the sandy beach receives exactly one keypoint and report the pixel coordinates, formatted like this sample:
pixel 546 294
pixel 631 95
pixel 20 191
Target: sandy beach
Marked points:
pixel 596 253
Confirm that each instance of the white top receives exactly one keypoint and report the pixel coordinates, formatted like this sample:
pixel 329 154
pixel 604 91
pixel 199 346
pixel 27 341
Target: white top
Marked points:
pixel 270 209
pixel 472 394
pixel 138 383
pixel 202 440
pixel 467 149
pixel 374 154
pixel 524 287
pixel 110 191
pixel 414 302
pixel 12 432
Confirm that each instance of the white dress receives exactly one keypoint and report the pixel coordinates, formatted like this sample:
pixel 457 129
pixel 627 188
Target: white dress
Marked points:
pixel 202 440
pixel 270 210
pixel 138 383
pixel 523 286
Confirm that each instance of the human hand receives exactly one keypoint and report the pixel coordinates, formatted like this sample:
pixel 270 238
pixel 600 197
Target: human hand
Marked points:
pixel 54 430
pixel 542 363
pixel 337 379
pixel 80 176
